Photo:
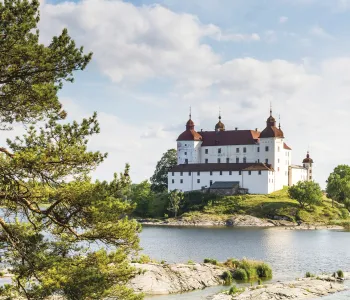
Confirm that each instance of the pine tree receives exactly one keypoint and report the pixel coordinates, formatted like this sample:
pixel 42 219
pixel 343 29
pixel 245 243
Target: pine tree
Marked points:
pixel 55 222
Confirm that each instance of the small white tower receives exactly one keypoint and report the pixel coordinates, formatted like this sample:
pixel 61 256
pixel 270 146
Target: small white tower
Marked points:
pixel 307 164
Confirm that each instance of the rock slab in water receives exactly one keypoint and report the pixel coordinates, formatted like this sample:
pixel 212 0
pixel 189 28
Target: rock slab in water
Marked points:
pixel 156 279
pixel 306 288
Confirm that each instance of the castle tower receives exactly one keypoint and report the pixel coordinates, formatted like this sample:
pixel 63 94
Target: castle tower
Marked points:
pixel 188 144
pixel 307 164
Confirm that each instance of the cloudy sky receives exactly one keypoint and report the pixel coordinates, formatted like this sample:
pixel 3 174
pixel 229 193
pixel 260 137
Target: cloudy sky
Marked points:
pixel 154 59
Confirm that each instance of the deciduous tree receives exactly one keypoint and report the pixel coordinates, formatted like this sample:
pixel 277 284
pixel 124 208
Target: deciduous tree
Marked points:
pixel 175 199
pixel 159 179
pixel 307 193
pixel 338 185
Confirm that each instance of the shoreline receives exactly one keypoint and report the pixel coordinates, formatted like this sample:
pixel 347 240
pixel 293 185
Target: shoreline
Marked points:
pixel 238 221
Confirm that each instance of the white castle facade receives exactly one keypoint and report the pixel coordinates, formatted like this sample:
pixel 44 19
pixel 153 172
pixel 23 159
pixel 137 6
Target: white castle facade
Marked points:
pixel 253 161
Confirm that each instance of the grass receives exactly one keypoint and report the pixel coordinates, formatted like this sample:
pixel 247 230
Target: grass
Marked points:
pixel 277 204
pixel 247 269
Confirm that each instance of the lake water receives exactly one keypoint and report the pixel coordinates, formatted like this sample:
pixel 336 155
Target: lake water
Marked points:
pixel 291 253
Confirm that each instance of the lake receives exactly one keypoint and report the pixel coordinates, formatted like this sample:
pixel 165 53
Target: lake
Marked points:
pixel 291 253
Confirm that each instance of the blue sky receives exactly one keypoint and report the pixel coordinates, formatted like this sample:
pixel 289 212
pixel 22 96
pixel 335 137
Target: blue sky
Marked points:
pixel 154 59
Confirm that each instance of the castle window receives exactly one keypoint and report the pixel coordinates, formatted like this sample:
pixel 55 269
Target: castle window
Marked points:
pixel 185 153
pixel 211 182
pixel 198 181
pixel 310 171
pixel 173 173
pixel 211 173
pixel 198 173
pixel 237 150
pixel 259 172
pixel 206 160
pixel 181 181
pixel 278 148
pixel 206 151
pixel 219 150
pixel 240 173
pixel 186 161
pixel 230 172
pixel 304 165
pixel 249 172
pixel 189 173
pixel 310 177
pixel 258 149
pixel 219 160
pixel 266 148
pixel 266 161
pixel 181 173
pixel 172 181
pixel 278 160
pixel 258 160
pixel 227 160
pixel 185 144
pixel 220 172
pixel 244 149
pixel 244 159
pixel 237 160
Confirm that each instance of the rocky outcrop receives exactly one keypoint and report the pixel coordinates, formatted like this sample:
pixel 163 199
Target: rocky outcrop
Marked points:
pixel 156 279
pixel 305 288
pixel 235 221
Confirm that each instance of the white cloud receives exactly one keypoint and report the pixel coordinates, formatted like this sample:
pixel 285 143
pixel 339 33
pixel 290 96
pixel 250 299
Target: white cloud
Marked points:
pixel 135 43
pixel 319 32
pixel 283 19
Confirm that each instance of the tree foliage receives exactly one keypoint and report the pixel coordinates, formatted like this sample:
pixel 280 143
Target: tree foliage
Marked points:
pixel 175 199
pixel 307 193
pixel 338 185
pixel 55 223
pixel 159 179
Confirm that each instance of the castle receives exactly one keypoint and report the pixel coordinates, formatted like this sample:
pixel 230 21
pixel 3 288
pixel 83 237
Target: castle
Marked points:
pixel 231 161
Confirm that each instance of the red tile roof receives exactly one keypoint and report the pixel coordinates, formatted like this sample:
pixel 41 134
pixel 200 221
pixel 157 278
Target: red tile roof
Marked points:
pixel 229 137
pixel 271 131
pixel 285 146
pixel 221 167
pixel 189 135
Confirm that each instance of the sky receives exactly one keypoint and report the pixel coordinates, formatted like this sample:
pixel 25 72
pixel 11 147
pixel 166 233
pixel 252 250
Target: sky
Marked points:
pixel 152 60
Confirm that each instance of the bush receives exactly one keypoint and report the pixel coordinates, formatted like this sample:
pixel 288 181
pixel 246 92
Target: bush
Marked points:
pixel 259 281
pixel 264 271
pixel 233 290
pixel 309 275
pixel 210 261
pixel 340 273
pixel 190 262
pixel 227 277
pixel 240 274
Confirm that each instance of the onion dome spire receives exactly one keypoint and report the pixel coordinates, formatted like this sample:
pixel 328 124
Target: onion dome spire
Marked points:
pixel 220 126
pixel 271 131
pixel 308 159
pixel 189 134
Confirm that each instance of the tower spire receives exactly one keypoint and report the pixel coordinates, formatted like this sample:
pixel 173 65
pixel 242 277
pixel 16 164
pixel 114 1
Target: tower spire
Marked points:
pixel 279 121
pixel 219 113
pixel 270 109
pixel 190 115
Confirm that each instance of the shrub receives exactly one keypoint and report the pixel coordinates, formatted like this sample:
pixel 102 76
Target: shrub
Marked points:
pixel 233 290
pixel 210 261
pixel 344 213
pixel 259 281
pixel 264 270
pixel 232 263
pixel 227 277
pixel 309 274
pixel 240 274
pixel 340 273
pixel 190 262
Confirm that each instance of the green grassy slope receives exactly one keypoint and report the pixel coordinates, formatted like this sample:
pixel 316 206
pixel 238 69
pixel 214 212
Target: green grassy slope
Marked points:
pixel 278 205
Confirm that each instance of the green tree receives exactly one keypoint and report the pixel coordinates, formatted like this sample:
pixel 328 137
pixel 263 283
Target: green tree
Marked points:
pixel 55 222
pixel 175 199
pixel 142 196
pixel 338 185
pixel 307 193
pixel 159 179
